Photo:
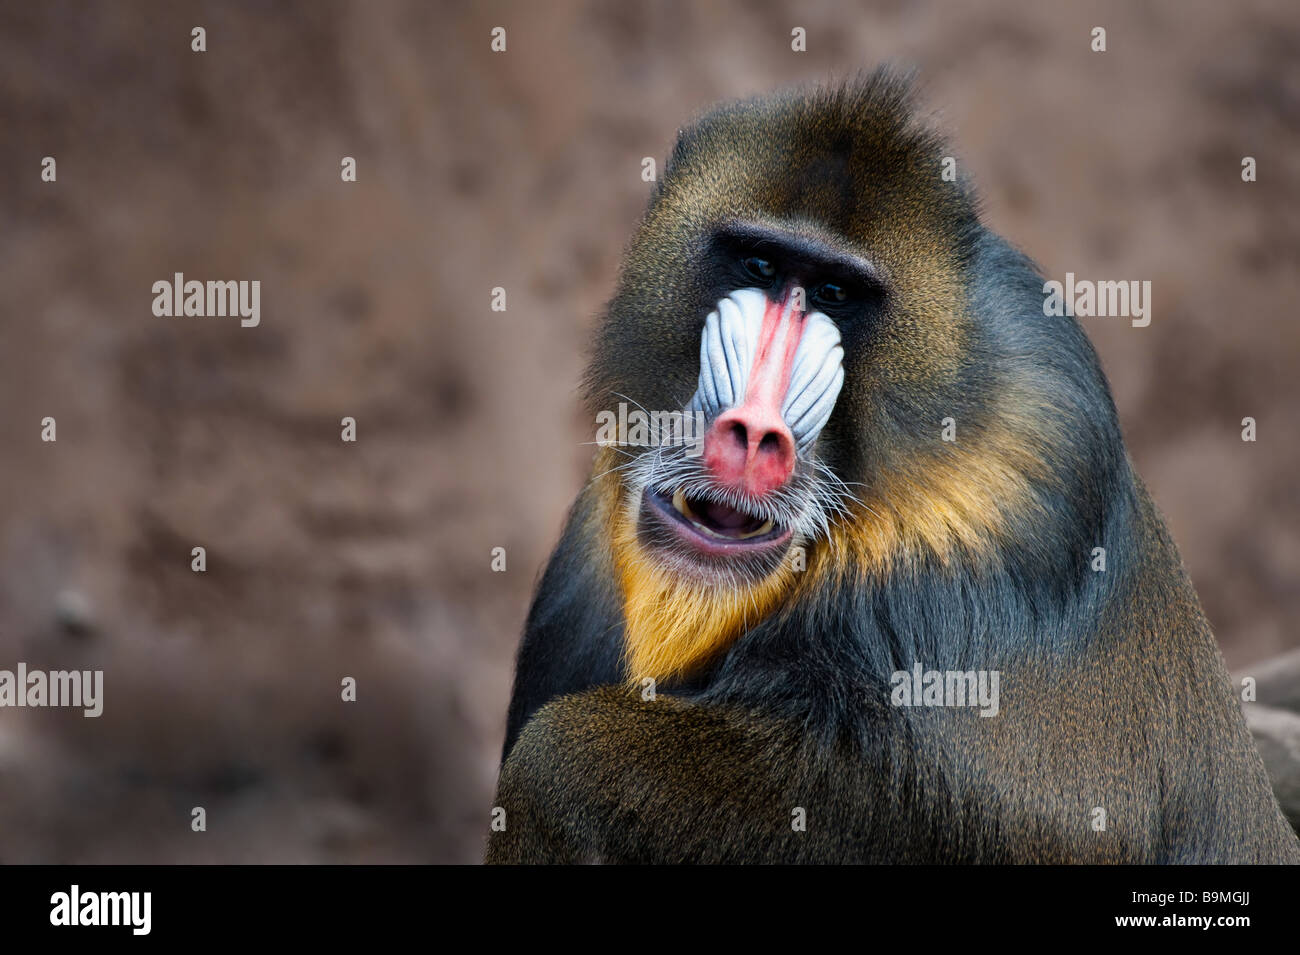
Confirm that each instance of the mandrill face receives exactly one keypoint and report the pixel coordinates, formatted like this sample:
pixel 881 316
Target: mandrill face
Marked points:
pixel 861 396
pixel 771 366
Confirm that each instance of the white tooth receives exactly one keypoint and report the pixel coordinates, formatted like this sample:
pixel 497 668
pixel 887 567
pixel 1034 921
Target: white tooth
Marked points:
pixel 765 528
pixel 679 503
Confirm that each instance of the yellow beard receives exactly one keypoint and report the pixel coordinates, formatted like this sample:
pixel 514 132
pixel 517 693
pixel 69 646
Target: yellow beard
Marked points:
pixel 674 624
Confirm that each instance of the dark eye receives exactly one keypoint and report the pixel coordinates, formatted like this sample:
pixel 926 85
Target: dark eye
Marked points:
pixel 831 294
pixel 759 268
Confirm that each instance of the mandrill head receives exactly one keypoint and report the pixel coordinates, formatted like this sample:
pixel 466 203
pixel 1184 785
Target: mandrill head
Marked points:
pixel 880 397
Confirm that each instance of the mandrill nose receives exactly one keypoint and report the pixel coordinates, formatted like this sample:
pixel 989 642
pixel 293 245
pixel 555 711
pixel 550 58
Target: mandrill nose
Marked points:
pixel 750 449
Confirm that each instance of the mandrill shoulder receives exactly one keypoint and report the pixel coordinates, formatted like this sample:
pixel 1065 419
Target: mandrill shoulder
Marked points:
pixel 604 776
pixel 596 776
pixel 1164 693
pixel 573 636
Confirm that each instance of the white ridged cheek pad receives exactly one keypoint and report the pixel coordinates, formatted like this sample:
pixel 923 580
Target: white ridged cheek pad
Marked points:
pixel 727 350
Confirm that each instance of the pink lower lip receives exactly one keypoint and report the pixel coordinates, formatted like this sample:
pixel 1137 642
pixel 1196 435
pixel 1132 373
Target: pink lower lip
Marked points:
pixel 712 546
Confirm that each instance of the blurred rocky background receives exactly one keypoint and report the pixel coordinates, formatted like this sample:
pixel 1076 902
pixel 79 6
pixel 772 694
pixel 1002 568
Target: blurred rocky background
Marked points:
pixel 1274 719
pixel 519 170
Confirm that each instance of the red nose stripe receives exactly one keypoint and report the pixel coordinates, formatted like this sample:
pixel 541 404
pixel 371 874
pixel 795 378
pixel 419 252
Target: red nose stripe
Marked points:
pixel 750 447
pixel 778 340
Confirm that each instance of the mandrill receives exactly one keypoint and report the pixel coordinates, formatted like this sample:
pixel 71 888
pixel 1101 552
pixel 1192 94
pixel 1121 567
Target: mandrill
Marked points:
pixel 909 602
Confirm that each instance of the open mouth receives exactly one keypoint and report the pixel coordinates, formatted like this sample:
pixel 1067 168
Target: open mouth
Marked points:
pixel 712 527
pixel 719 520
